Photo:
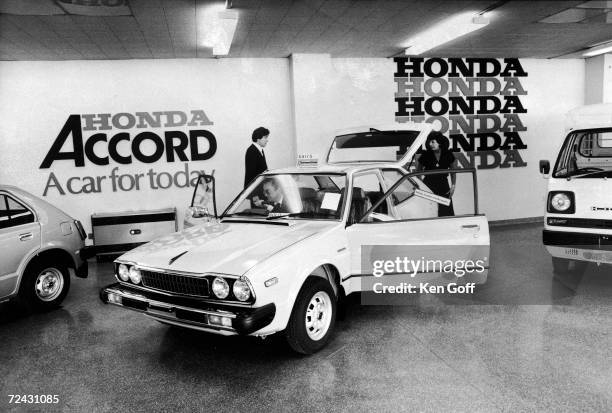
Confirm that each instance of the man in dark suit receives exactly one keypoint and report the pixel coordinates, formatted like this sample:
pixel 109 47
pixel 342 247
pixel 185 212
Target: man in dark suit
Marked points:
pixel 275 198
pixel 255 159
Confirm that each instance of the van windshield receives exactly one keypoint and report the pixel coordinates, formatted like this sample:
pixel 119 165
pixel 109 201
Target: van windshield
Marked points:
pixel 586 154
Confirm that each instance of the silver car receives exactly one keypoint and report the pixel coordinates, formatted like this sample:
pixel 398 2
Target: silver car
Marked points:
pixel 39 244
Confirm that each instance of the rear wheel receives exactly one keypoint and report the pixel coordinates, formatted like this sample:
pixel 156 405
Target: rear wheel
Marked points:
pixel 313 317
pixel 44 285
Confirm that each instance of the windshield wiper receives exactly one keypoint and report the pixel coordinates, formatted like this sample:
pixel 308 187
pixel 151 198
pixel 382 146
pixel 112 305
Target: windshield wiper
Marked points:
pixel 299 214
pixel 593 173
pixel 246 214
pixel 582 172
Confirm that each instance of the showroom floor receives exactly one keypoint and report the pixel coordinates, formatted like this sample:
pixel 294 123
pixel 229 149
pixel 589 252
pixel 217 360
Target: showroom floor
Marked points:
pixel 548 346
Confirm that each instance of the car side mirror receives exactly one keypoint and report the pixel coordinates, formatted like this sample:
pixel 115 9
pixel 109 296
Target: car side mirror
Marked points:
pixel 196 211
pixel 544 168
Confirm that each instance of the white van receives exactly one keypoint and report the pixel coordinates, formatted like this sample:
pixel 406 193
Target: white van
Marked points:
pixel 578 219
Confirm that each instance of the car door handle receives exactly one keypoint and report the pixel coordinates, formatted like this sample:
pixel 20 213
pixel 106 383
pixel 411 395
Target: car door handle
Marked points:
pixel 475 227
pixel 26 236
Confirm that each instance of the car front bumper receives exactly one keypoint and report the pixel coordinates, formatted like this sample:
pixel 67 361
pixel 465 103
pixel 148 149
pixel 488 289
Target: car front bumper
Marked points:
pixel 190 313
pixel 577 239
pixel 592 247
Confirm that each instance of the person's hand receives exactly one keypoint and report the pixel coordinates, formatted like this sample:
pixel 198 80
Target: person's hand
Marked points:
pixel 451 191
pixel 258 202
pixel 269 207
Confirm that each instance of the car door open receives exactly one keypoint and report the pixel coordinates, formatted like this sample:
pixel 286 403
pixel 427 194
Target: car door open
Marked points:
pixel 413 245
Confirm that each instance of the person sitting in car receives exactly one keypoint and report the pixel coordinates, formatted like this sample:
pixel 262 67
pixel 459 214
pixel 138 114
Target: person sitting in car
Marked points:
pixel 275 199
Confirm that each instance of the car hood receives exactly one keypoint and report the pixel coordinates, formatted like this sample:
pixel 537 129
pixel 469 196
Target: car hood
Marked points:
pixel 228 247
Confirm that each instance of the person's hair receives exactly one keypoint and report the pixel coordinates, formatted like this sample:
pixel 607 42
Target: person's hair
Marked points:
pixel 438 137
pixel 270 181
pixel 259 133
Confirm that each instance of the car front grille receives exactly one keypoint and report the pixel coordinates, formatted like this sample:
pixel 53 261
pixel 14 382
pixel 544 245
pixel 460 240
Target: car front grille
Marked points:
pixel 175 283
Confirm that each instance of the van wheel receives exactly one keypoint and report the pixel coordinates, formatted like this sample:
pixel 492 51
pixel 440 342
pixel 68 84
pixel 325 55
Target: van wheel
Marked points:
pixel 567 266
pixel 313 317
pixel 44 286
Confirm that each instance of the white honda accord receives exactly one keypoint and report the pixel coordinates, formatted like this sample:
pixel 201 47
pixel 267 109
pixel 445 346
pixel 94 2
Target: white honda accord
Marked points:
pixel 296 241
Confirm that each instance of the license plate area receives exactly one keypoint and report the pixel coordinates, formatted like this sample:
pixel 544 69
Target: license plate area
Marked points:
pixel 161 310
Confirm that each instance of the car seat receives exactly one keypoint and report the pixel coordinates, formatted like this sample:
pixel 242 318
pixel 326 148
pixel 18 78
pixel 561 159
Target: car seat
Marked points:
pixel 309 200
pixel 360 203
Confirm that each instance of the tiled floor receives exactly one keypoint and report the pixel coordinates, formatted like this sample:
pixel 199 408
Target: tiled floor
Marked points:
pixel 530 342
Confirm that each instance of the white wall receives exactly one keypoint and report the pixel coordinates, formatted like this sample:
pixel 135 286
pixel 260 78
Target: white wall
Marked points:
pixel 598 78
pixel 332 94
pixel 554 86
pixel 303 100
pixel 237 95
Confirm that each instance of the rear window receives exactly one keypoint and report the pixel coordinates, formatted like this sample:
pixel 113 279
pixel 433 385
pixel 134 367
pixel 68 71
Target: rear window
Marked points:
pixel 13 213
pixel 372 146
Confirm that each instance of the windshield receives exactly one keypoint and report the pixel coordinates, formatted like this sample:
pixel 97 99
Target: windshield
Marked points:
pixel 372 146
pixel 586 153
pixel 296 196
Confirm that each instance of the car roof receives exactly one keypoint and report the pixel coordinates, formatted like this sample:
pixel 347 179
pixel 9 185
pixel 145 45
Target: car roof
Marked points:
pixel 406 126
pixel 342 168
pixel 11 188
pixel 32 200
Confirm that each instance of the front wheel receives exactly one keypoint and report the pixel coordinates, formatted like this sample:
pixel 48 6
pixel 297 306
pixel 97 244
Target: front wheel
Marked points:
pixel 44 286
pixel 313 317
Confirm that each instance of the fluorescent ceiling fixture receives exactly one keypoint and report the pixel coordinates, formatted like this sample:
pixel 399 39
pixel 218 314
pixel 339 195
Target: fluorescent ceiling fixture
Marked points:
pixel 219 27
pixel 444 32
pixel 597 50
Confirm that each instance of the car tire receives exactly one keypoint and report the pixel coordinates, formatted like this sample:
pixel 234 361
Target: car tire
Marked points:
pixel 44 285
pixel 567 266
pixel 313 317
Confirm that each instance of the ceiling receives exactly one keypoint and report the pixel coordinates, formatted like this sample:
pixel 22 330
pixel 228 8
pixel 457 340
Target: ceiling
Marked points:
pixel 167 29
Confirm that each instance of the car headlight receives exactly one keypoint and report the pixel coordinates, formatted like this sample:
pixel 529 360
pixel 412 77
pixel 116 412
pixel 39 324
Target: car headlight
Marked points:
pixel 242 291
pixel 561 202
pixel 135 275
pixel 124 272
pixel 220 288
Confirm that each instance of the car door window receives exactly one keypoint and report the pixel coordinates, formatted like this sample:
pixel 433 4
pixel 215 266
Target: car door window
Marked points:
pixel 13 213
pixel 413 199
pixel 403 192
pixel 367 190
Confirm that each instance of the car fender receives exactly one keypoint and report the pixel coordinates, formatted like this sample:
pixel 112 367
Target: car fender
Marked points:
pixel 292 268
pixel 31 256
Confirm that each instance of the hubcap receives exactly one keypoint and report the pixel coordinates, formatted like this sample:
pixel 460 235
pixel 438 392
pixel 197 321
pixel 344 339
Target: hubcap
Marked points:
pixel 318 315
pixel 49 284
